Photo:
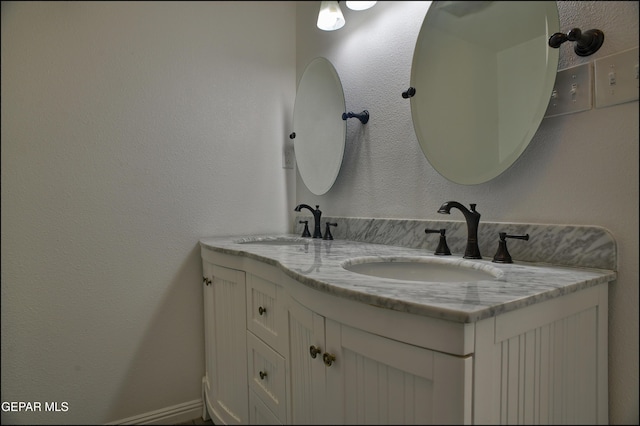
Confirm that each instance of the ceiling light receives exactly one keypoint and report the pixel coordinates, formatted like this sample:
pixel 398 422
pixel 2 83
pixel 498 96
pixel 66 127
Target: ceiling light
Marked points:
pixel 360 5
pixel 330 17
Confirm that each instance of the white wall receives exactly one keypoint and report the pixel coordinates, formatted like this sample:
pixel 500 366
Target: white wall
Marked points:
pixel 129 131
pixel 132 129
pixel 579 169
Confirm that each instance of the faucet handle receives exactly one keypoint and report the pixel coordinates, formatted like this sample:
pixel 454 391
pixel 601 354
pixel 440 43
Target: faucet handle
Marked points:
pixel 327 232
pixel 443 248
pixel 502 255
pixel 306 232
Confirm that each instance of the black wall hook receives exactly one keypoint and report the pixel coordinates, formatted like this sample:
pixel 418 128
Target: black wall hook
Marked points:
pixel 409 93
pixel 587 43
pixel 363 116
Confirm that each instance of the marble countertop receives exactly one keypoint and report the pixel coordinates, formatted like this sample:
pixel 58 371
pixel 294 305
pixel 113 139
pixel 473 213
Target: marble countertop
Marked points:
pixel 319 264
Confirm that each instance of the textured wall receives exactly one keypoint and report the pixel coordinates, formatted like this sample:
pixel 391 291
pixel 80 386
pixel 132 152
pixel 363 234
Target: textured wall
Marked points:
pixel 129 131
pixel 579 169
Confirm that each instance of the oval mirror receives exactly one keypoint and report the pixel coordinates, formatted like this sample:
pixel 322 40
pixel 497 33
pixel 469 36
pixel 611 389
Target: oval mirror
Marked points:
pixel 319 128
pixel 483 73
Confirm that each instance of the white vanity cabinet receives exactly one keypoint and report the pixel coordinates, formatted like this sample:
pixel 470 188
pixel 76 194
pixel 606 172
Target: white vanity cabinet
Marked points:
pixel 543 363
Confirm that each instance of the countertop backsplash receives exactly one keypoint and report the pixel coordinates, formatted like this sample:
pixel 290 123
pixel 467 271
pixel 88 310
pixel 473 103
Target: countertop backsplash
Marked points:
pixel 567 245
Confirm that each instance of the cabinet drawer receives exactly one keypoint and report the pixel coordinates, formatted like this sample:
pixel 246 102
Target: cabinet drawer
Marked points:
pixel 267 375
pixel 264 313
pixel 259 413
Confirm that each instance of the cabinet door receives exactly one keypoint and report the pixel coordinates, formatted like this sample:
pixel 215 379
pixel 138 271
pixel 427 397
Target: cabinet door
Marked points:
pixel 375 380
pixel 361 378
pixel 225 344
pixel 306 371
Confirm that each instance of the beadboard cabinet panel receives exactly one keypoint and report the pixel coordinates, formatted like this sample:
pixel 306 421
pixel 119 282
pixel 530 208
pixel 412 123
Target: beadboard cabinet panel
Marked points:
pixel 547 365
pixel 384 381
pixel 225 339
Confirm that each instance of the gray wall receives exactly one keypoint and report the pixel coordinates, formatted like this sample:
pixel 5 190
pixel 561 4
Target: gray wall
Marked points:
pixel 129 131
pixel 579 169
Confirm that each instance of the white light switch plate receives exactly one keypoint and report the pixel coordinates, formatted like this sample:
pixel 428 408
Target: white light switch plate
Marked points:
pixel 572 91
pixel 616 78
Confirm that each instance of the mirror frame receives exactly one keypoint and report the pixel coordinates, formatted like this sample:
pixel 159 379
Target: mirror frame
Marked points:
pixel 483 73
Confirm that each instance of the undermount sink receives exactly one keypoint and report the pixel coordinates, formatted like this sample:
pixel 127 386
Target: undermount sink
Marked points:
pixel 424 269
pixel 274 241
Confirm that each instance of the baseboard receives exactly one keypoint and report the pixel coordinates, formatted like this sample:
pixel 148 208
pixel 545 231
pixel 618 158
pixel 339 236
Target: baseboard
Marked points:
pixel 166 416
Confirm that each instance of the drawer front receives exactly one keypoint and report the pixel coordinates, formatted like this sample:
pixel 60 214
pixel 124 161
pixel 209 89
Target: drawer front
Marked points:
pixel 264 314
pixel 259 413
pixel 267 375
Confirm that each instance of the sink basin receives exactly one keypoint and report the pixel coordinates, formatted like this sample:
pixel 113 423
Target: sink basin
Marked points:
pixel 424 269
pixel 274 241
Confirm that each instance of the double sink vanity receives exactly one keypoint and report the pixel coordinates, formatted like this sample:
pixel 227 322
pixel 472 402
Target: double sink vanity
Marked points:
pixel 374 320
pixel 373 327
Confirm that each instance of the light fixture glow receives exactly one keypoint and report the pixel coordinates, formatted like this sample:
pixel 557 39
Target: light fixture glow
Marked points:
pixel 330 17
pixel 360 5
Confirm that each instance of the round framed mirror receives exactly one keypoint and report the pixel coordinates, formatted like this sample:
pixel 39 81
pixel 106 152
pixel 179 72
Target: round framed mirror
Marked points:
pixel 483 74
pixel 319 128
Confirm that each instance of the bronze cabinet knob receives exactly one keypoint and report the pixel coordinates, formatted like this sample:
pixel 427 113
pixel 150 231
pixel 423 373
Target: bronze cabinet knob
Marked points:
pixel 314 351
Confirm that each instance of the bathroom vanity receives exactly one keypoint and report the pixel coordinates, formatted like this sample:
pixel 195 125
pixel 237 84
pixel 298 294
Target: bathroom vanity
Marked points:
pixel 293 337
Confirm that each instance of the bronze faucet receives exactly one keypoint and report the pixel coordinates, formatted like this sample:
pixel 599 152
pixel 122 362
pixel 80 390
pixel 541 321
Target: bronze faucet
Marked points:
pixel 316 218
pixel 473 219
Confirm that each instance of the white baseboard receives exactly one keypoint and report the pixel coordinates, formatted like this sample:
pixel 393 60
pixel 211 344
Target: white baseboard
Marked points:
pixel 166 416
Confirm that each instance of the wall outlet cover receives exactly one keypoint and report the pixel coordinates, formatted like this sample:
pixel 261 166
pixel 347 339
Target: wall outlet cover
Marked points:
pixel 288 157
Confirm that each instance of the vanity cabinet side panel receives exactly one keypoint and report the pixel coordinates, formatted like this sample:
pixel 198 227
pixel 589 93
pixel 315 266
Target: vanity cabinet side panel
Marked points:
pixel 226 387
pixel 544 364
pixel 603 354
pixel 209 371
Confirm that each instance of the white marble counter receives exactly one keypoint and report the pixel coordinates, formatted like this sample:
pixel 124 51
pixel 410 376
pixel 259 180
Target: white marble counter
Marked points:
pixel 318 264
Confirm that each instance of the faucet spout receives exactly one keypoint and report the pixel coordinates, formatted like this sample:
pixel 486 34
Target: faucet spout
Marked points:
pixel 472 217
pixel 316 218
